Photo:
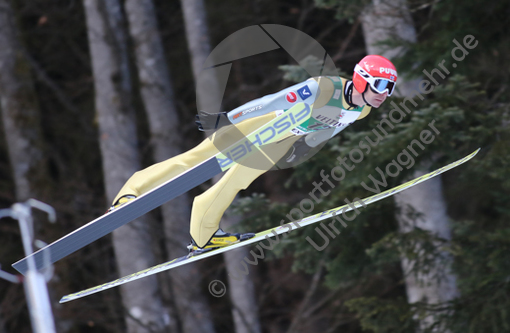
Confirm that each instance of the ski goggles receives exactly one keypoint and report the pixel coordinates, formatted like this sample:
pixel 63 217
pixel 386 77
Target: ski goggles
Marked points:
pixel 378 85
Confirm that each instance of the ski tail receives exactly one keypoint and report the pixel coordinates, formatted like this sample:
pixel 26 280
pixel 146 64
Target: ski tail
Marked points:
pixel 273 232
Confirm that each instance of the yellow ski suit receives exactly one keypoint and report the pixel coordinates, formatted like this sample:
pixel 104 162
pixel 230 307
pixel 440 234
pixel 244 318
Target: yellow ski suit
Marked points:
pixel 324 93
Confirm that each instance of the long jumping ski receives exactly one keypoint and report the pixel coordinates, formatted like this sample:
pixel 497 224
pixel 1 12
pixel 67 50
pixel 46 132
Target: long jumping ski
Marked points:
pixel 176 186
pixel 268 233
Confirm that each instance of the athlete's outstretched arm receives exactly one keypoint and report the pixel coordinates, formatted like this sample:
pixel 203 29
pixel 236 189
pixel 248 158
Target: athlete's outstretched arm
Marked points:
pixel 306 92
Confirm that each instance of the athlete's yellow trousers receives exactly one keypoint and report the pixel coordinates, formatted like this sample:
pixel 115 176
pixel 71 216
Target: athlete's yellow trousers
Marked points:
pixel 208 208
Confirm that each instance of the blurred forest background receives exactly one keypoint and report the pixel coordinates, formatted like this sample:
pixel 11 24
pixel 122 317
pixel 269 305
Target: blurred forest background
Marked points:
pixel 93 90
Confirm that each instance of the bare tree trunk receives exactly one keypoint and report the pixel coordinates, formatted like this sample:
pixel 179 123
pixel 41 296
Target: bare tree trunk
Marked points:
pixel 20 117
pixel 197 35
pixel 241 291
pixel 427 199
pixel 391 19
pixel 20 112
pixel 158 97
pixel 241 287
pixel 118 142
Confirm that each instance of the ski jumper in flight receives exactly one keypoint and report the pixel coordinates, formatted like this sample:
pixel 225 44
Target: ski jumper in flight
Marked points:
pixel 336 103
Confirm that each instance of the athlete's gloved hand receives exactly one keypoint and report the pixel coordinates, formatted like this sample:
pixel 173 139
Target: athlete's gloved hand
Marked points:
pixel 211 121
pixel 298 151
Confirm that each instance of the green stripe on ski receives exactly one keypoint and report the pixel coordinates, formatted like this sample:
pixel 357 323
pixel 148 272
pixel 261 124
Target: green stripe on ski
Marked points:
pixel 267 233
pixel 368 200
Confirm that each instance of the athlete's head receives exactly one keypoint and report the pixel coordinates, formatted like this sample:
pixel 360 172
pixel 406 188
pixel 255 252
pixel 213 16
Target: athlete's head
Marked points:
pixel 377 73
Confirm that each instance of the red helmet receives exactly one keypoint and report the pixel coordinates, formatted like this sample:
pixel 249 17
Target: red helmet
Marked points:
pixel 378 72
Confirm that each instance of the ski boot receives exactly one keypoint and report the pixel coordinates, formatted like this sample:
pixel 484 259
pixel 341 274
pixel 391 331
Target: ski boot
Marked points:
pixel 219 239
pixel 122 200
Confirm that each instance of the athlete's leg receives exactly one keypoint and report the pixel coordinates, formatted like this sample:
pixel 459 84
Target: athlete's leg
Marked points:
pixel 157 174
pixel 209 207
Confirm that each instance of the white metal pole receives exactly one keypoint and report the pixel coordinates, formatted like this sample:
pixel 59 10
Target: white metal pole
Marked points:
pixel 35 284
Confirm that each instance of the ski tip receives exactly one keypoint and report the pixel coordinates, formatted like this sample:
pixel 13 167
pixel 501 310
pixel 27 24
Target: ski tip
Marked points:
pixel 473 154
pixel 470 156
